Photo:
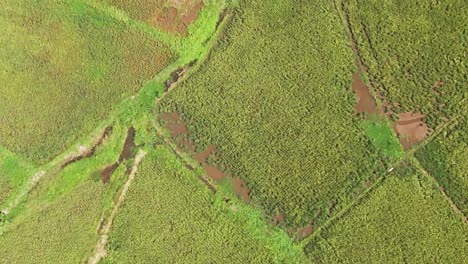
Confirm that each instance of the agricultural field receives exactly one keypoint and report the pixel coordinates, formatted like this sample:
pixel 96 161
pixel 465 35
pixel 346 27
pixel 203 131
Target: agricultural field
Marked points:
pixel 233 131
pixel 415 54
pixel 405 220
pixel 282 117
pixel 67 67
pixel 446 158
pixel 181 221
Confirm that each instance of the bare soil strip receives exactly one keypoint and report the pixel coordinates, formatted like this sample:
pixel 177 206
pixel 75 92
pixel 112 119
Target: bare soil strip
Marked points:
pixel 100 249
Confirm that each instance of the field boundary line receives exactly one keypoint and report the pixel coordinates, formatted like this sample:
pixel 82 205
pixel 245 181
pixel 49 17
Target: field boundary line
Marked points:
pixel 100 249
pixel 377 183
pixel 434 180
pixel 449 124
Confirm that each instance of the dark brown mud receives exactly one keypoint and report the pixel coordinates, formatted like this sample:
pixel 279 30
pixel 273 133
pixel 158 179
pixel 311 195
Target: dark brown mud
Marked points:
pixel 129 145
pixel 126 154
pixel 108 171
pixel 88 153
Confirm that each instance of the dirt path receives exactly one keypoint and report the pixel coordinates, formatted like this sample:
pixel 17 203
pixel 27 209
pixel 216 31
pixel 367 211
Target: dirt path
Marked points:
pixel 31 184
pixel 100 249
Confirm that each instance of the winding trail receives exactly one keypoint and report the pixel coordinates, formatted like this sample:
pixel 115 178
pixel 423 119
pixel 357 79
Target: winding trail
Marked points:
pixel 100 249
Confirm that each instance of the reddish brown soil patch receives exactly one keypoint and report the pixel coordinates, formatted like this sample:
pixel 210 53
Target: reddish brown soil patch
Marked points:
pixel 411 129
pixel 213 172
pixel 174 124
pixel 107 172
pixel 365 102
pixel 241 190
pixel 177 16
pixel 304 232
pixel 192 14
pixel 202 157
pixel 277 219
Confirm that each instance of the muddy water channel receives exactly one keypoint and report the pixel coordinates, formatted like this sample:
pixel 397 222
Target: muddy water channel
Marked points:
pixel 126 154
pixel 177 128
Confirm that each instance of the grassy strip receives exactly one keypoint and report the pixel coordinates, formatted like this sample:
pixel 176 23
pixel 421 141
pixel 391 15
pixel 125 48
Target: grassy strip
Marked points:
pixel 14 174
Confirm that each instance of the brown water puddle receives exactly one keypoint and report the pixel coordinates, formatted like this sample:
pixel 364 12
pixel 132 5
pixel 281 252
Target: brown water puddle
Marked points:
pixel 126 154
pixel 277 219
pixel 241 189
pixel 108 171
pixel 411 129
pixel 129 145
pixel 202 157
pixel 213 172
pixel 86 153
pixel 178 130
pixel 365 102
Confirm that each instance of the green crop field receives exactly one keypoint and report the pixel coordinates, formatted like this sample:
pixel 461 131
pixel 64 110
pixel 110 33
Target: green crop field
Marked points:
pixel 64 68
pixel 415 52
pixel 446 157
pixel 181 221
pixel 406 220
pixel 61 232
pixel 282 117
pixel 233 131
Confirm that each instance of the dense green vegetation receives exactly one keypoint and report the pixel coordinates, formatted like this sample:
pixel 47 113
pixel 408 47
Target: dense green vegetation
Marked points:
pixel 65 66
pixel 446 158
pixel 281 114
pixel 411 46
pixel 172 217
pixel 404 220
pixel 60 232
pixel 271 91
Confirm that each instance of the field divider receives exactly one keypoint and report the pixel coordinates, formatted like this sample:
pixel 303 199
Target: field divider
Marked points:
pixel 100 249
pixel 434 180
pixel 377 183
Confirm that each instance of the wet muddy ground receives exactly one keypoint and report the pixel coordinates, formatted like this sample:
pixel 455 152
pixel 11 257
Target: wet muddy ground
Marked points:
pixel 365 102
pixel 177 128
pixel 411 129
pixel 176 16
pixel 126 154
